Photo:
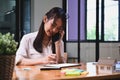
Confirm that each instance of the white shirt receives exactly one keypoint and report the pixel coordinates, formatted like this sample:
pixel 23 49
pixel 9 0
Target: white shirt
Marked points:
pixel 26 49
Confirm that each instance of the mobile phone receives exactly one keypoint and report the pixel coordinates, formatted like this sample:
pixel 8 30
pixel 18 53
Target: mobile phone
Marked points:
pixel 56 37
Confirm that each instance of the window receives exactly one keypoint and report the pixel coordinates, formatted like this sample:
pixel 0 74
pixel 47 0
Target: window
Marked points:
pixel 91 19
pixel 108 12
pixel 108 20
pixel 7 16
pixel 111 20
pixel 15 17
pixel 26 16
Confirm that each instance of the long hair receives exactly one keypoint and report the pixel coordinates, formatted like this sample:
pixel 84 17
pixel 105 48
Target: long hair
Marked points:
pixel 55 13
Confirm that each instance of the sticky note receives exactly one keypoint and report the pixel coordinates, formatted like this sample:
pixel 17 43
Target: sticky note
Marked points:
pixel 72 73
pixel 84 72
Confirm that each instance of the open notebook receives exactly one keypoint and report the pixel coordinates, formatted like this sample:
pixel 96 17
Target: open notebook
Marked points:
pixel 58 66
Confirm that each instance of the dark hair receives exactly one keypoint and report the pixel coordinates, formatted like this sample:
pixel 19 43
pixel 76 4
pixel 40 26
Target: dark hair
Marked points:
pixel 55 13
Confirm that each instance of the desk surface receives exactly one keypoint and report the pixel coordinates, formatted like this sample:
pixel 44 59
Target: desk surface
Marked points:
pixel 34 73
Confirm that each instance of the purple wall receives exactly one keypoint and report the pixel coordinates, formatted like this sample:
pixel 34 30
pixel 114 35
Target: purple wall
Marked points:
pixel 72 20
pixel 82 20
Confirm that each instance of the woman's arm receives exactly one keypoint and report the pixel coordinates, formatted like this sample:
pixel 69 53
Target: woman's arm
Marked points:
pixel 59 45
pixel 22 50
pixel 50 59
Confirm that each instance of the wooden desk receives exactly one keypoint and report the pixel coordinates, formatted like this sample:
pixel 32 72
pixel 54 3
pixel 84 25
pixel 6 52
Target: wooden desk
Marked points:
pixel 36 74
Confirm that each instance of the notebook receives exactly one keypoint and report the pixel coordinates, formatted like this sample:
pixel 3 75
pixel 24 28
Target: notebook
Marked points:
pixel 58 66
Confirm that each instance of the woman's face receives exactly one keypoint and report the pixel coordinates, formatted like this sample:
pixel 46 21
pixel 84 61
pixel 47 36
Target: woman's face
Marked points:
pixel 52 27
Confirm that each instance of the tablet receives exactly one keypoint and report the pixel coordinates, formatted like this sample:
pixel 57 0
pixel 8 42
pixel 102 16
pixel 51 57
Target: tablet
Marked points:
pixel 58 66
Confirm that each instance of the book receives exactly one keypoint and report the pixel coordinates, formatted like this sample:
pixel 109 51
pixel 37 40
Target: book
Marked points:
pixel 58 66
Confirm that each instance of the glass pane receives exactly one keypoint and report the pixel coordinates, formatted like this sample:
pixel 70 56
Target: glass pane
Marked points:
pixel 7 16
pixel 111 20
pixel 91 19
pixel 26 17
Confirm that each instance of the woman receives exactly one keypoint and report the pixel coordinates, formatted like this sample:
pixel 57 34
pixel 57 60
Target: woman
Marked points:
pixel 46 45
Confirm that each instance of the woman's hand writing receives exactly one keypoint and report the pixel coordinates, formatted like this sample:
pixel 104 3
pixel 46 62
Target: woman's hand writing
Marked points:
pixel 50 59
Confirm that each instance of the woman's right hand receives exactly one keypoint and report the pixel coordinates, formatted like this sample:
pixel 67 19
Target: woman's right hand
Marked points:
pixel 50 59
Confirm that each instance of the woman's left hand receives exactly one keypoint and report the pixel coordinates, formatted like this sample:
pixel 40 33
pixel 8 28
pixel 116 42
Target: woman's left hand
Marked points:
pixel 61 34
